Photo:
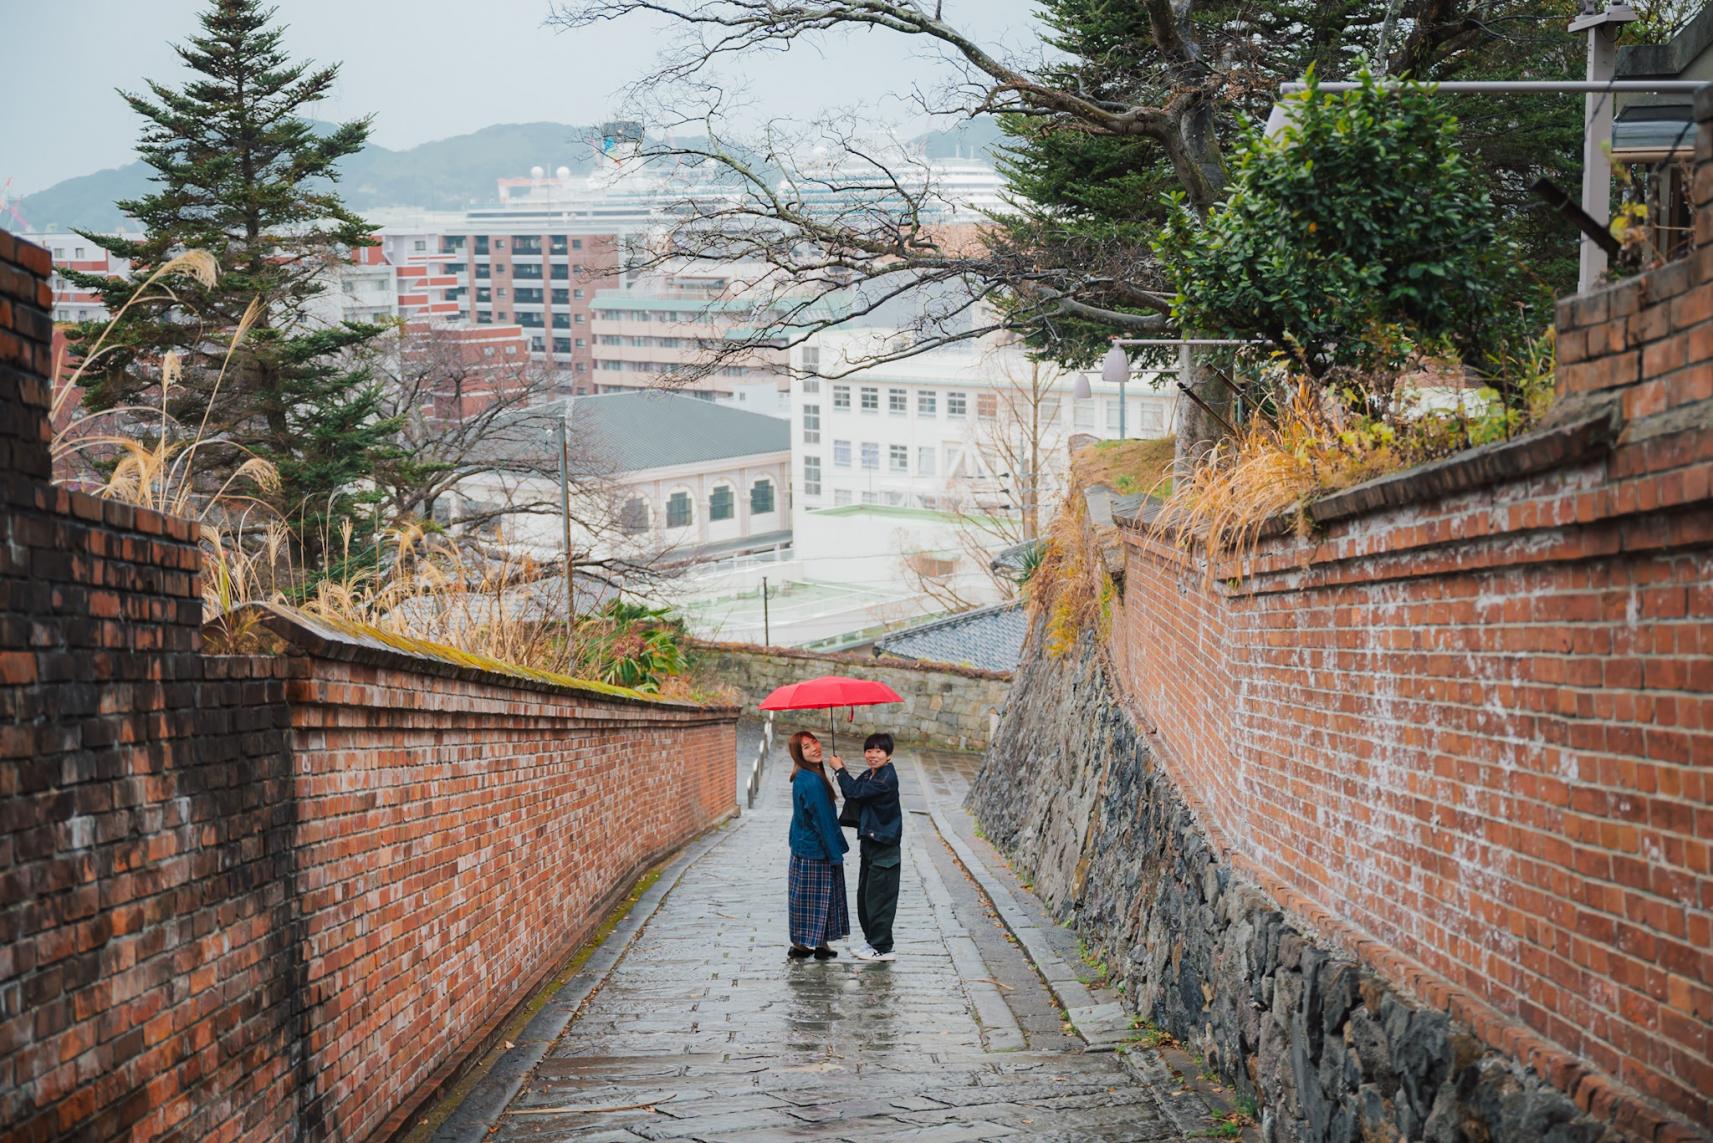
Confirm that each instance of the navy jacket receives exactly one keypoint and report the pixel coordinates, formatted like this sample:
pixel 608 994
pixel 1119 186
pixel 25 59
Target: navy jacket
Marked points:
pixel 814 826
pixel 880 818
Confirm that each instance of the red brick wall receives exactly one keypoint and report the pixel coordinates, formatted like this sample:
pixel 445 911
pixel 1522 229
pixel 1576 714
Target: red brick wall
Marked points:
pixel 268 898
pixel 458 839
pixel 1471 736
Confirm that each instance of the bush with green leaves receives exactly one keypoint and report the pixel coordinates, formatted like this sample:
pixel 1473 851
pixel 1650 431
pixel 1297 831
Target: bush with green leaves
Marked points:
pixel 1358 236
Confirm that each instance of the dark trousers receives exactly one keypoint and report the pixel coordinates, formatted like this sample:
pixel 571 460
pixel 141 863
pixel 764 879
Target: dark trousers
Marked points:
pixel 877 894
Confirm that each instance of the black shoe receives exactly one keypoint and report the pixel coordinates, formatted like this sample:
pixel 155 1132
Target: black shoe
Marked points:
pixel 825 953
pixel 798 952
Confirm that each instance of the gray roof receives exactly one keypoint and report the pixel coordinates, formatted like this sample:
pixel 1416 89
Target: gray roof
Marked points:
pixel 989 637
pixel 655 430
pixel 627 432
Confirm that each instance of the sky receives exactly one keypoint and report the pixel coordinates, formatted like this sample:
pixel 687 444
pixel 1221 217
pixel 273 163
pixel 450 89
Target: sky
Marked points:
pixel 427 69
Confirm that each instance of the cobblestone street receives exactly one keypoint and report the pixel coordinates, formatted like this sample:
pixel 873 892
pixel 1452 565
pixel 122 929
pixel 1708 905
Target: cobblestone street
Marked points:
pixel 704 1030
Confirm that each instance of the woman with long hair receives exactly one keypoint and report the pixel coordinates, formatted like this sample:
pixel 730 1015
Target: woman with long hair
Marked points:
pixel 815 885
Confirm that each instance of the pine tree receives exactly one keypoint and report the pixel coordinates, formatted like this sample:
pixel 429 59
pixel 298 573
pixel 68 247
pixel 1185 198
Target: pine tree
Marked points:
pixel 245 177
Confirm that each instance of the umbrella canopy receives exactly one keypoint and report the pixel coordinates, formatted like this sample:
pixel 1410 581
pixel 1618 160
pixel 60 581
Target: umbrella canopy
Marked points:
pixel 829 691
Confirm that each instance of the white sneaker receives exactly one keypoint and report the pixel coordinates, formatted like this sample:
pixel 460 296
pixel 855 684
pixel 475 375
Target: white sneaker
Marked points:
pixel 882 955
pixel 864 952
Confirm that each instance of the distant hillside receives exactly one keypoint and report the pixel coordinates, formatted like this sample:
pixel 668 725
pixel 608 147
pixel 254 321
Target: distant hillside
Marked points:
pixel 969 139
pixel 446 174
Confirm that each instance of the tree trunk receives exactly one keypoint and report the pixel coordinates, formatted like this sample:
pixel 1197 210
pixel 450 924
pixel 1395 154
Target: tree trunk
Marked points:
pixel 1199 430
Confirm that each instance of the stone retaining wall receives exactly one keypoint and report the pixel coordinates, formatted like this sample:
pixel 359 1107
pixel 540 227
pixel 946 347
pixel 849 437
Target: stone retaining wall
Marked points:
pixel 945 705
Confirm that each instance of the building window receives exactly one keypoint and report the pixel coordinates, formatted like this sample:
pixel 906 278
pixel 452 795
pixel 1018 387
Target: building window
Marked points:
pixel 581 343
pixel 761 497
pixel 841 454
pixel 811 357
pixel 1114 413
pixel 562 345
pixel 871 456
pixel 871 498
pixel 420 246
pixel 957 405
pixel 811 424
pixel 560 273
pixel 561 298
pixel 925 461
pixel 580 367
pixel 499 291
pixel 722 504
pixel 986 406
pixel 678 513
pixel 633 517
pixel 841 497
pixel 576 244
pixel 481 244
pixel 811 476
pixel 556 244
pixel 1047 412
pixel 1085 415
pixel 810 384
pixel 577 293
pixel 870 400
pixel 499 244
pixel 897 402
pixel 898 457
pixel 841 396
pixel 578 319
pixel 926 403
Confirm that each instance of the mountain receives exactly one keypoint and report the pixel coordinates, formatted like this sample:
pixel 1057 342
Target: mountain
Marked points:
pixel 446 174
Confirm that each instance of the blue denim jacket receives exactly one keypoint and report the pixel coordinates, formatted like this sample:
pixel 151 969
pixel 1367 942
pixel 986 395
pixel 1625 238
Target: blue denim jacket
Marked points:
pixel 814 825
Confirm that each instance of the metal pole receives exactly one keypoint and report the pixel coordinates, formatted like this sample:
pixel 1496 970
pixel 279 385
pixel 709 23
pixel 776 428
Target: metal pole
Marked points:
pixel 1121 404
pixel 1529 86
pixel 766 629
pixel 565 521
pixel 1602 29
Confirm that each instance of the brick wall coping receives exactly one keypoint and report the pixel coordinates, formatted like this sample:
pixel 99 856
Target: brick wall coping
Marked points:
pixel 1591 435
pixel 853 659
pixel 370 646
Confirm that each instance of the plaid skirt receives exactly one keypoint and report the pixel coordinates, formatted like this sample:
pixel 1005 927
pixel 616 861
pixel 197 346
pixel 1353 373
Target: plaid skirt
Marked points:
pixel 819 913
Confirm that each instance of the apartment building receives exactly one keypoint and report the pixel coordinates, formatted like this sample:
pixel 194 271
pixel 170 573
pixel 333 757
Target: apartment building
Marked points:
pixel 75 252
pixel 651 334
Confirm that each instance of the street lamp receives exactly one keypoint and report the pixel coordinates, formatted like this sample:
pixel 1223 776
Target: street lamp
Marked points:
pixel 1114 370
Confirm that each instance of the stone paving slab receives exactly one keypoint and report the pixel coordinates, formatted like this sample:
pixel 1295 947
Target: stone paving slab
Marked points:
pixel 704 1030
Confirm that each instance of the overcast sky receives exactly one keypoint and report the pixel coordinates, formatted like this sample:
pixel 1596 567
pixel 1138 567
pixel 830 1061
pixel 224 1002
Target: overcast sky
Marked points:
pixel 426 68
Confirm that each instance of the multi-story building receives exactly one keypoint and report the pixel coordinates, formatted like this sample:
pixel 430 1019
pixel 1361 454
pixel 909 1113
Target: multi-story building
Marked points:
pixel 954 429
pixel 75 252
pixel 651 334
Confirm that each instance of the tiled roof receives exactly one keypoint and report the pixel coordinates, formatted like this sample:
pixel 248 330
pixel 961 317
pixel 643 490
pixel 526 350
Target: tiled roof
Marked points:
pixel 989 637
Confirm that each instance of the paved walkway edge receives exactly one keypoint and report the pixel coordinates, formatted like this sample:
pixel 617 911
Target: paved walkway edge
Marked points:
pixel 480 1109
pixel 1188 1108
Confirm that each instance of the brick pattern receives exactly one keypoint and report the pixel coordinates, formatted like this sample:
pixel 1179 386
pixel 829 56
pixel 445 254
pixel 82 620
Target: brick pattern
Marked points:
pixel 267 898
pixel 459 840
pixel 1472 737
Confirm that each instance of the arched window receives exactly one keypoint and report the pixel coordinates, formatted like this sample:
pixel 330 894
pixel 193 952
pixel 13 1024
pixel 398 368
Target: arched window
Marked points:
pixel 761 497
pixel 722 504
pixel 633 517
pixel 679 511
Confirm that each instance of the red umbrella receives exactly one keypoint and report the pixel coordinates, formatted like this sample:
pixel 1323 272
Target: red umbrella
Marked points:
pixel 828 692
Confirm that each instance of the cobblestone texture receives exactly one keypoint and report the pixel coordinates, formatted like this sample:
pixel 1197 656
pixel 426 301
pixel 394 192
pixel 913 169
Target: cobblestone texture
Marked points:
pixel 706 1031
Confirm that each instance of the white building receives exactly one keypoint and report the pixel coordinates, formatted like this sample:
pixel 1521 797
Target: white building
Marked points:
pixel 946 429
pixel 75 252
pixel 679 479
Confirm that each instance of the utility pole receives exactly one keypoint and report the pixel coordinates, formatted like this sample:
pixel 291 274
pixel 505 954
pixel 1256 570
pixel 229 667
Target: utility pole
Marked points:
pixel 1602 28
pixel 565 521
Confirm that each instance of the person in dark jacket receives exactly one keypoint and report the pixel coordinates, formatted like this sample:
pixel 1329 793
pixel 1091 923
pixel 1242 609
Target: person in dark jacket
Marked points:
pixel 880 831
pixel 815 886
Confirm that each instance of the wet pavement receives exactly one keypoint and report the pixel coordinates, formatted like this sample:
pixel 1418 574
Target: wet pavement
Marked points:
pixel 704 1029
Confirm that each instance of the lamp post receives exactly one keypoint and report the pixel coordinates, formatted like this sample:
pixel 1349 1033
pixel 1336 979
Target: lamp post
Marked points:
pixel 1114 369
